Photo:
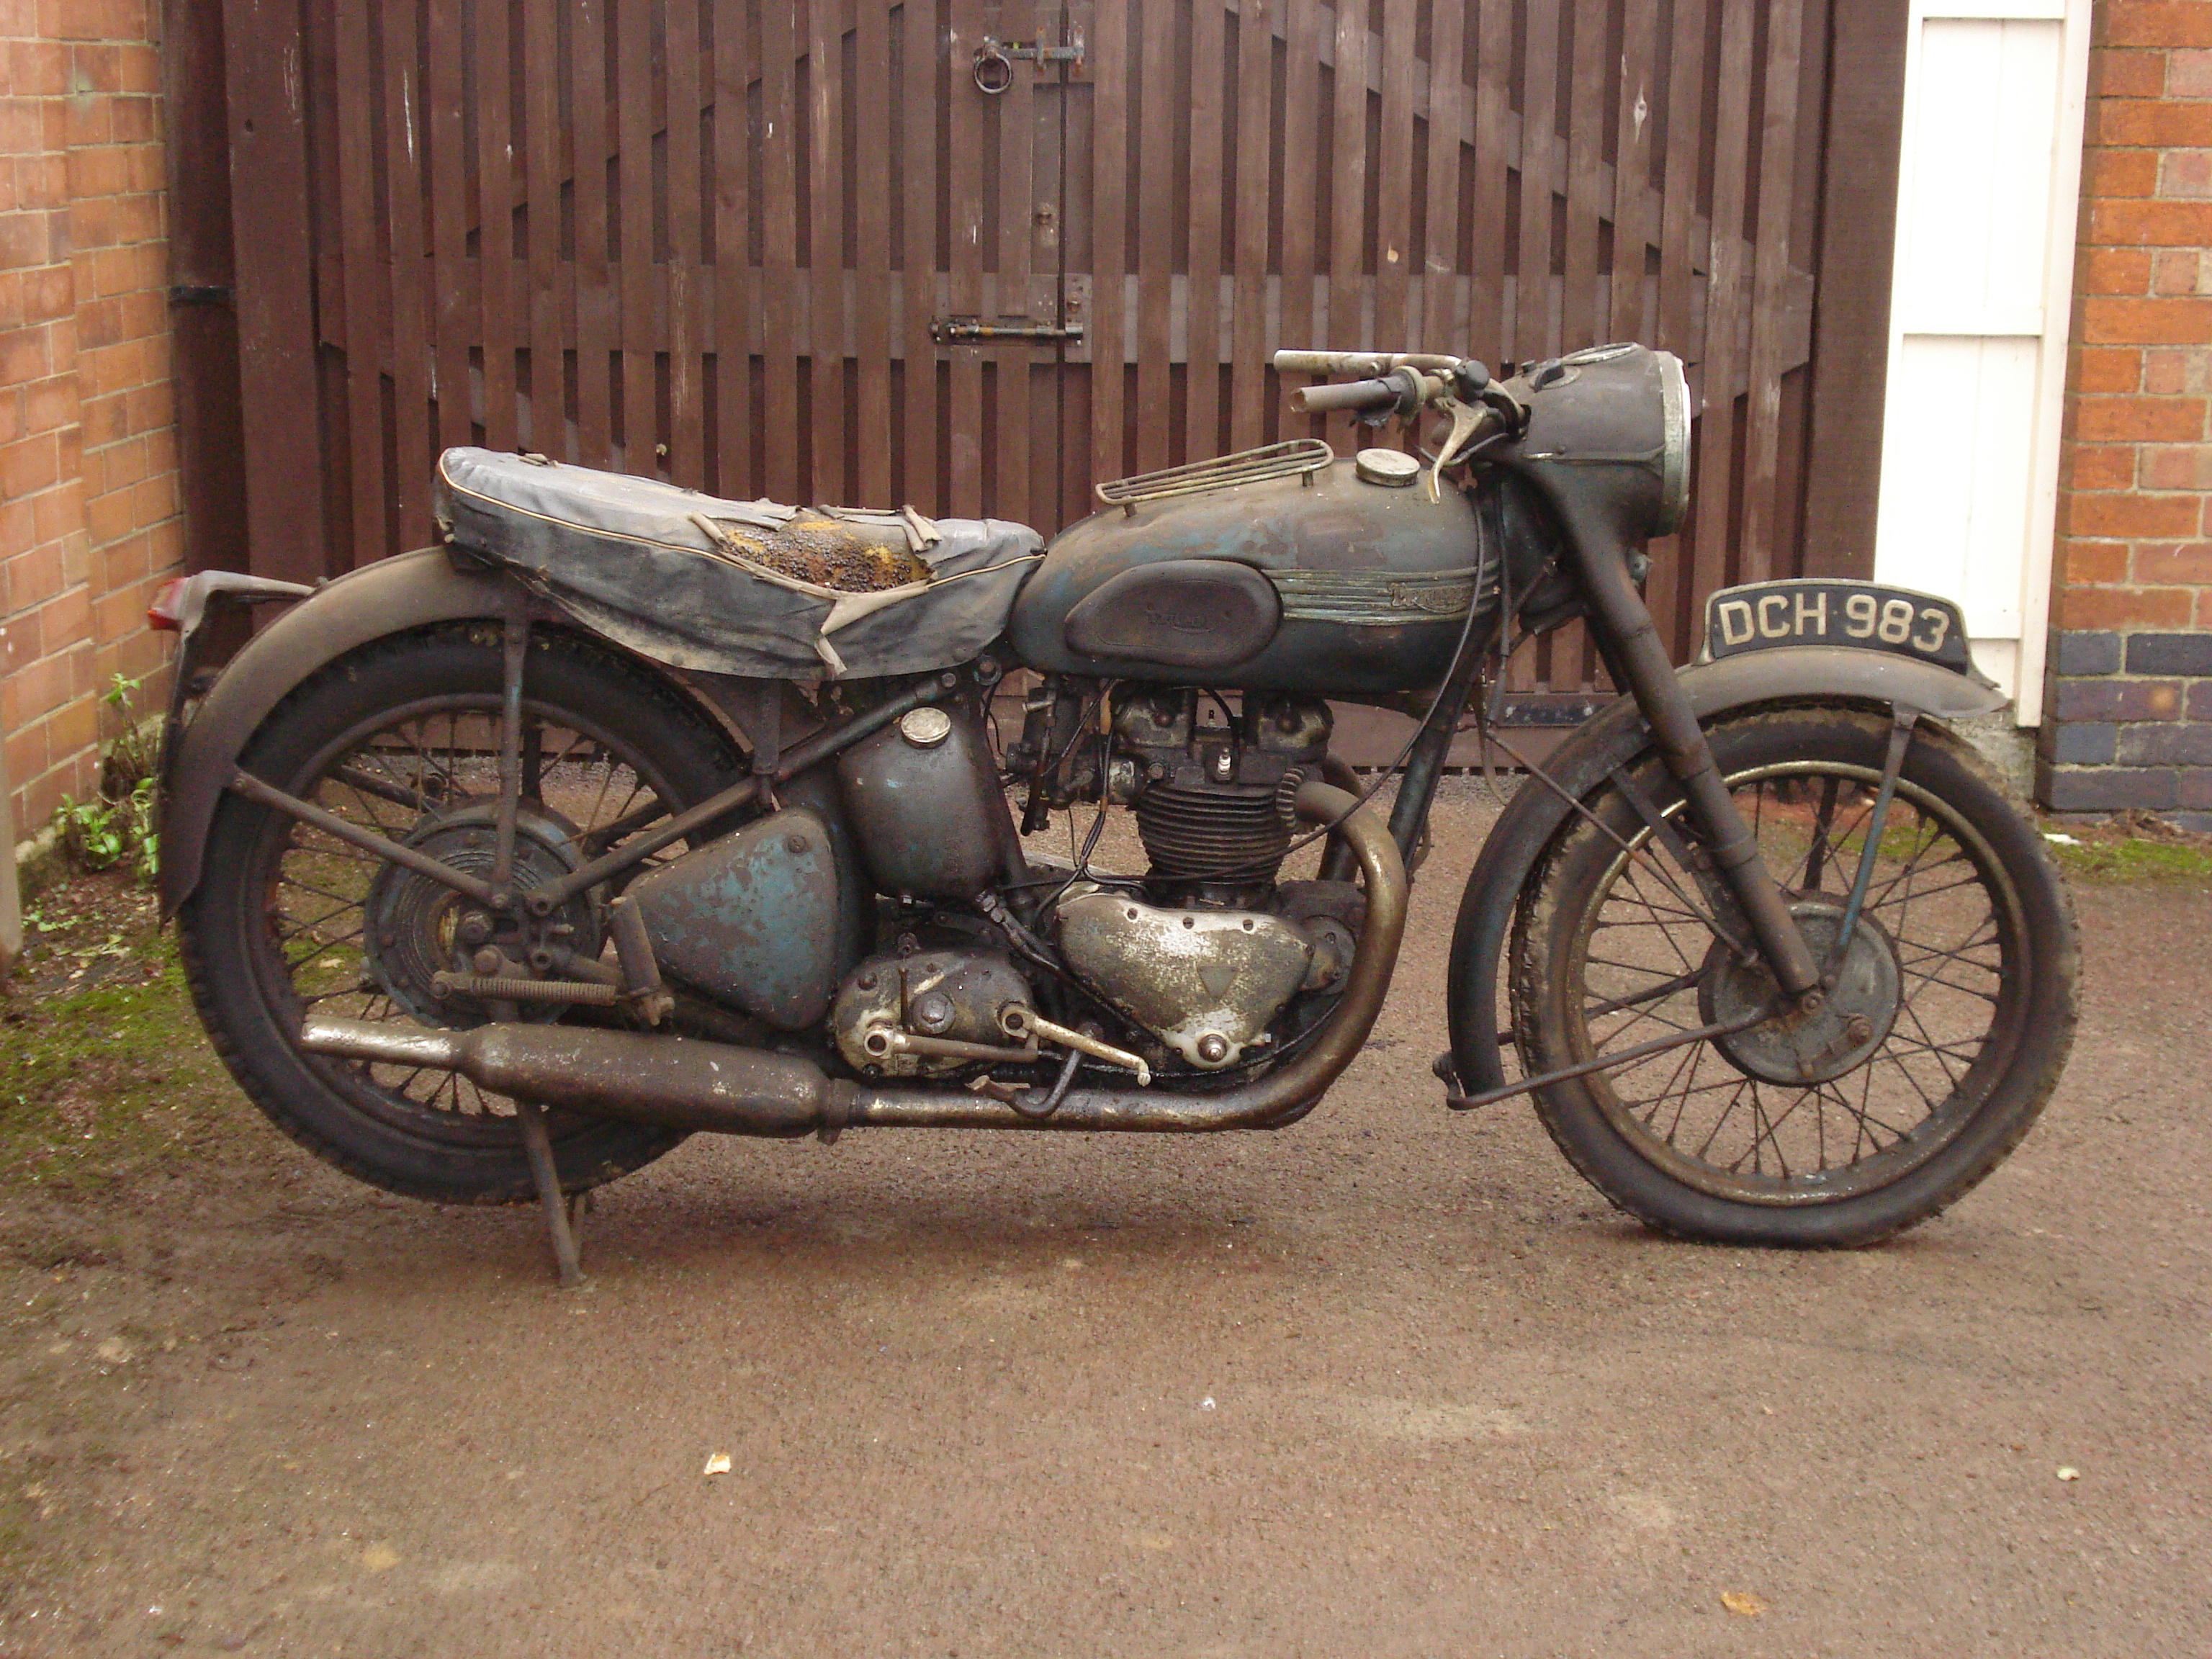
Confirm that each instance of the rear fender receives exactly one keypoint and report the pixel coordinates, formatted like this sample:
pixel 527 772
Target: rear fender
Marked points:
pixel 1619 735
pixel 411 590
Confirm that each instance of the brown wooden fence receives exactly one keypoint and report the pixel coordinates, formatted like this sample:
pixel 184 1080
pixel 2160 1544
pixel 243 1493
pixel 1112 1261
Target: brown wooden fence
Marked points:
pixel 729 242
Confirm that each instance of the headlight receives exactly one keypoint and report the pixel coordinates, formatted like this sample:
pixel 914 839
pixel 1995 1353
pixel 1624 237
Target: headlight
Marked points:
pixel 1674 455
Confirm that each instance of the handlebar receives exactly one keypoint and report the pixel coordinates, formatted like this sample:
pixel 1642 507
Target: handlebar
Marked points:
pixel 1363 395
pixel 1362 362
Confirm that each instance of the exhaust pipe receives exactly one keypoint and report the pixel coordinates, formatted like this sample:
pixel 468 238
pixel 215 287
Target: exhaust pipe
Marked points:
pixel 679 1083
pixel 685 1083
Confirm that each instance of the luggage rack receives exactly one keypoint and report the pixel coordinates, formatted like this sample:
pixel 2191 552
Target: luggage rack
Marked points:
pixel 1299 457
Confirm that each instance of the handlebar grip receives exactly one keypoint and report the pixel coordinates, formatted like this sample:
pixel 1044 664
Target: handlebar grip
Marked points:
pixel 1353 394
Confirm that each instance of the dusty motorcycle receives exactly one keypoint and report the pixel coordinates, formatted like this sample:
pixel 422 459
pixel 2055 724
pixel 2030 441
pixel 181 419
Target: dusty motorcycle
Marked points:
pixel 501 866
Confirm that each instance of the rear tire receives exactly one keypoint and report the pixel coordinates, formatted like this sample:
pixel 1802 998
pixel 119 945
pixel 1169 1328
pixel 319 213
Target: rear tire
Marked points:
pixel 240 931
pixel 1968 942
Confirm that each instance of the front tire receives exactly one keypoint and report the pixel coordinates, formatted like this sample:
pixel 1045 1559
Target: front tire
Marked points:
pixel 1964 965
pixel 403 736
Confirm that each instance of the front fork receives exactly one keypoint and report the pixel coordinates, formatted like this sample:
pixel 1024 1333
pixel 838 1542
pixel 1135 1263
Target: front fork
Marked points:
pixel 1634 652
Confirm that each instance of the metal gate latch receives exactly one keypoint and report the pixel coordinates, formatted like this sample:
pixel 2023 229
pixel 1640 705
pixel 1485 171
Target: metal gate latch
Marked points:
pixel 946 330
pixel 995 60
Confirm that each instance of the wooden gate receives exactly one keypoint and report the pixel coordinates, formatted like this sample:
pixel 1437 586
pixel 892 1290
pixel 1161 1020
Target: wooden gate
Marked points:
pixel 975 254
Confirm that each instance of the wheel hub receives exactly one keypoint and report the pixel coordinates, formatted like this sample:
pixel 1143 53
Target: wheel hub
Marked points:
pixel 1801 1047
pixel 419 929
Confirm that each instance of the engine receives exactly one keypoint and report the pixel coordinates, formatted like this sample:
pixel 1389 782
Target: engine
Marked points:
pixel 1207 949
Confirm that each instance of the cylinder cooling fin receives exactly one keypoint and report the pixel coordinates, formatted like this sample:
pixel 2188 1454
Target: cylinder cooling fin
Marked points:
pixel 1217 782
pixel 1191 832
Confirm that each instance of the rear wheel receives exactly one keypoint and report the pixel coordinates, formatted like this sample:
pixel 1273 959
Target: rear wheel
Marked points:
pixel 1945 1029
pixel 403 736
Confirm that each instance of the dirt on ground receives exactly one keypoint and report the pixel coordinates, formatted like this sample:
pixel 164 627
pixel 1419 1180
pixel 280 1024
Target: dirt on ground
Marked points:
pixel 1392 1381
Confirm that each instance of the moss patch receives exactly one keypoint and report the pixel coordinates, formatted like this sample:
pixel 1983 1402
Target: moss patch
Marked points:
pixel 2133 847
pixel 105 1072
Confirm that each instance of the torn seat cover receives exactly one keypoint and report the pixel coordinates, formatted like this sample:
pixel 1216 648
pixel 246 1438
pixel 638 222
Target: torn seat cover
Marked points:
pixel 753 588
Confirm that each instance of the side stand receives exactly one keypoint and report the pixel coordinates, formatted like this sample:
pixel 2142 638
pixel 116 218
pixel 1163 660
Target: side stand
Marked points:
pixel 559 1219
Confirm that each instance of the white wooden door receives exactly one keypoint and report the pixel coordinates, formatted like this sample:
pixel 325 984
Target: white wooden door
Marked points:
pixel 1993 95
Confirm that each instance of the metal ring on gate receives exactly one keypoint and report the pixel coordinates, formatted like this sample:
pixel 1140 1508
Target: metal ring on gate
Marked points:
pixel 988 79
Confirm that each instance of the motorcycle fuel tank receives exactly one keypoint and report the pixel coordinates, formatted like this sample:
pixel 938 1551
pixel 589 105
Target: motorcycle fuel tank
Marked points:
pixel 1336 580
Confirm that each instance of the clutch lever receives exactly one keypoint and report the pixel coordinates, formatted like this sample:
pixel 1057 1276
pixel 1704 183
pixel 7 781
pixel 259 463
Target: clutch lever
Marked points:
pixel 1465 421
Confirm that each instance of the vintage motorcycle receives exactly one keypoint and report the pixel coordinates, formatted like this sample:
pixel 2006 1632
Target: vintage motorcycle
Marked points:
pixel 503 866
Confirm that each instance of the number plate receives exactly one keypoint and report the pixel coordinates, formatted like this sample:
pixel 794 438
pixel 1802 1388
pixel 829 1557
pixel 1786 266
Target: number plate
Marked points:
pixel 1812 611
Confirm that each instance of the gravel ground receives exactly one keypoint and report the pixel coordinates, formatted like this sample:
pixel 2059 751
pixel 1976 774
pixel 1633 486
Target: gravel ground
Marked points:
pixel 1392 1382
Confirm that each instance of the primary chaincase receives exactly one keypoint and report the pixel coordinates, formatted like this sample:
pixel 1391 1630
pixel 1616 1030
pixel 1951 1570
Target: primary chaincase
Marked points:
pixel 1205 982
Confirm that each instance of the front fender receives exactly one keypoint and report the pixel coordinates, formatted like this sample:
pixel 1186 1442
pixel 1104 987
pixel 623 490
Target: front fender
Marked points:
pixel 1619 735
pixel 411 590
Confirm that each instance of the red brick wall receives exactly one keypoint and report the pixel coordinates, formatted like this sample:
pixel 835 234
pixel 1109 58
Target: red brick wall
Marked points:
pixel 2130 721
pixel 88 490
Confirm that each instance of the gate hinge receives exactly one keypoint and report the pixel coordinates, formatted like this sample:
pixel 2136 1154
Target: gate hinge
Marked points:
pixel 995 60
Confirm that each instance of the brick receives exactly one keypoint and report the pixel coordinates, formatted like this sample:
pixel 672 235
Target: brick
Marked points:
pixel 2182 174
pixel 2126 607
pixel 2183 562
pixel 2169 220
pixel 2142 420
pixel 2083 743
pixel 136 121
pixel 2148 322
pixel 2108 513
pixel 2194 787
pixel 2100 466
pixel 2187 466
pixel 2171 369
pixel 2165 745
pixel 49 293
pixel 30 464
pixel 2107 369
pixel 50 404
pixel 2116 699
pixel 2152 23
pixel 2107 788
pixel 2093 564
pixel 2114 172
pixel 110 517
pixel 2174 271
pixel 2076 655
pixel 2118 270
pixel 37 69
pixel 2150 124
pixel 2133 74
pixel 2204 609
pixel 99 170
pixel 2170 653
pixel 26 240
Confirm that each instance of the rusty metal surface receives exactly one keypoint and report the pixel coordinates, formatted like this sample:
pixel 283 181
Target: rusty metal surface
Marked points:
pixel 944 996
pixel 686 1084
pixel 1205 982
pixel 751 917
pixel 678 1081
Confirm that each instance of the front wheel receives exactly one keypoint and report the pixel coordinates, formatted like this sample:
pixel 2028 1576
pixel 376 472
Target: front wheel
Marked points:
pixel 1945 1030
